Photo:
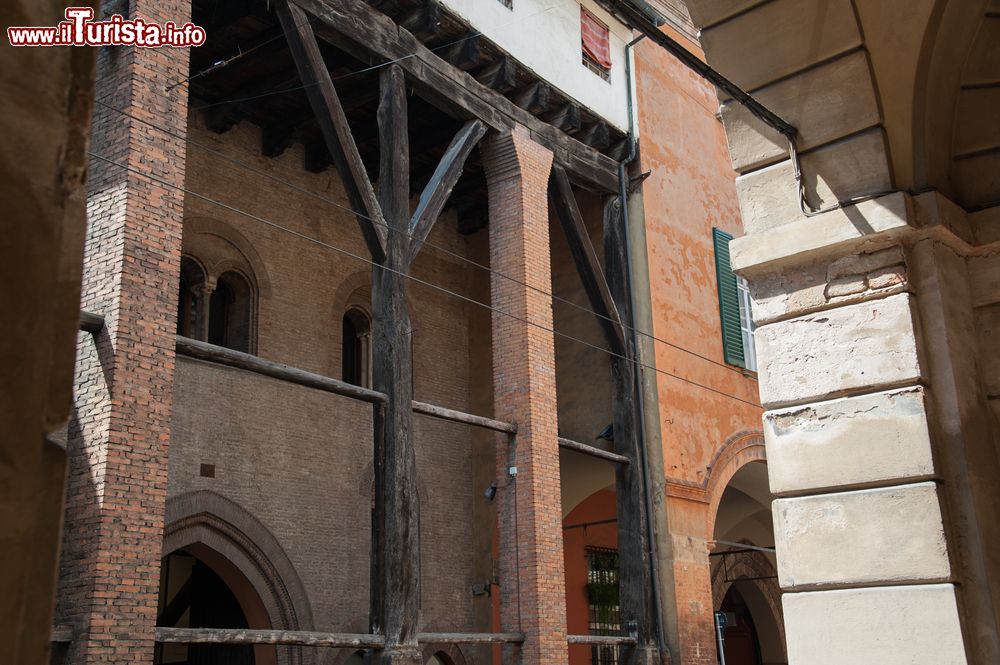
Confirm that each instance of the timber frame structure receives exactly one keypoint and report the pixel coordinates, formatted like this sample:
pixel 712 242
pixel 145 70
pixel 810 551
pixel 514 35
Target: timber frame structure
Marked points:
pixel 319 90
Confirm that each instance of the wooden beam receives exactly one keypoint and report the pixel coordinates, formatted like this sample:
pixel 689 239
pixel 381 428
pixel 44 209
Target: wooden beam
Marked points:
pixel 423 20
pixel 90 322
pixel 466 418
pixel 372 36
pixel 394 148
pixel 395 560
pixel 471 638
pixel 566 118
pixel 635 574
pixel 276 138
pixel 585 258
pixel 601 640
pixel 256 636
pixel 596 135
pixel 220 118
pixel 593 451
pixel 501 75
pixel 199 350
pixel 316 639
pixel 333 123
pixel 437 191
pixel 465 53
pixel 533 98
pixel 315 157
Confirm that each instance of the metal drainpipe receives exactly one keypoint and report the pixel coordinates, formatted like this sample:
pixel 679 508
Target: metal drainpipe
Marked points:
pixel 623 192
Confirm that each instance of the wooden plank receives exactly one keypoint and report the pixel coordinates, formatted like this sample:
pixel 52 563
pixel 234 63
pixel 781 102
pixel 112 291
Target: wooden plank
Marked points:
pixel 437 191
pixel 461 417
pixel 585 258
pixel 333 123
pixel 593 451
pixel 193 348
pixel 90 322
pixel 257 636
pixel 636 583
pixel 370 35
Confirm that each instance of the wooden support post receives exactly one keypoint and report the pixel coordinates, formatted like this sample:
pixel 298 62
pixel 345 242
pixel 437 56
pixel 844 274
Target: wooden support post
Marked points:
pixel 396 559
pixel 394 240
pixel 638 609
pixel 587 266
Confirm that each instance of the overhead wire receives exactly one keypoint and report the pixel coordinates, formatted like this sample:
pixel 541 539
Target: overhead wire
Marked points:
pixel 427 242
pixel 405 275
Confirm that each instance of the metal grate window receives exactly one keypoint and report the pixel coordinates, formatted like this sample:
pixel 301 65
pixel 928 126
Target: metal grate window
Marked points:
pixel 602 594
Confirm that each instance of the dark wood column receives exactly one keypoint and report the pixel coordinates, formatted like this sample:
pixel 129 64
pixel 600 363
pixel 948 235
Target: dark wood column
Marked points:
pixel 638 599
pixel 609 293
pixel 394 238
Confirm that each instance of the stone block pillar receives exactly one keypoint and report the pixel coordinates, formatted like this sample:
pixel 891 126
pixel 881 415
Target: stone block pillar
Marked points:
pixel 120 429
pixel 532 579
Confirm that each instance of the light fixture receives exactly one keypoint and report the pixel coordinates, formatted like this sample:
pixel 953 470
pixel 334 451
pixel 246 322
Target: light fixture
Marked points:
pixel 491 491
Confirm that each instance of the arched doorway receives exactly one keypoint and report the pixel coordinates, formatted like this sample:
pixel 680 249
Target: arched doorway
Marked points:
pixel 199 588
pixel 745 587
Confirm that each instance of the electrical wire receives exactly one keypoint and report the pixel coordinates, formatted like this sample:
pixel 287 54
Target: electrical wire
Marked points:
pixel 428 243
pixel 417 280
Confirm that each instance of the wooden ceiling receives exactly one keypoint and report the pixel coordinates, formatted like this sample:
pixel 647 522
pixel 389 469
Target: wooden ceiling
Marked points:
pixel 245 72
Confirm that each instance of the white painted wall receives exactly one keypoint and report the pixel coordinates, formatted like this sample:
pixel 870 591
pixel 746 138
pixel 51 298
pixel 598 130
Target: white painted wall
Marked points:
pixel 545 36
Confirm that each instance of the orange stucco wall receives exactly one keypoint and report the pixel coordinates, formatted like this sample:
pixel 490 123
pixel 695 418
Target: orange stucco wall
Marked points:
pixel 690 190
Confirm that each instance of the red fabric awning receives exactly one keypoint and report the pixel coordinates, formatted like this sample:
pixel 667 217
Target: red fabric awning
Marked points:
pixel 595 38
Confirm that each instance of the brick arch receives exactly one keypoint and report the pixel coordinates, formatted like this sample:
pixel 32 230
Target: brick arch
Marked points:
pixel 207 519
pixel 756 568
pixel 738 450
pixel 243 257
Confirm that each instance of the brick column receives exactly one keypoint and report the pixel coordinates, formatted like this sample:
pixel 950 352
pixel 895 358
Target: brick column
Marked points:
pixel 524 382
pixel 118 436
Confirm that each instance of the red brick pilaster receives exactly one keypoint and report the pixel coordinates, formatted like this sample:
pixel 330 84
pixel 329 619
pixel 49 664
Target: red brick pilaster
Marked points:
pixel 109 573
pixel 531 548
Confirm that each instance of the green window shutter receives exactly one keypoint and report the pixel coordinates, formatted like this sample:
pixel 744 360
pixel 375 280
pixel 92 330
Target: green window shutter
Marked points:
pixel 729 300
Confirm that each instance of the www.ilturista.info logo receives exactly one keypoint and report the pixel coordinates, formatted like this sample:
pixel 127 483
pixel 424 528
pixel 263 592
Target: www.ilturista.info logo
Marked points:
pixel 79 29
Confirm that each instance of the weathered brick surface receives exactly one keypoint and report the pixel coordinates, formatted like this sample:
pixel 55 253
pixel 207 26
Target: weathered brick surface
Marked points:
pixel 118 438
pixel 531 547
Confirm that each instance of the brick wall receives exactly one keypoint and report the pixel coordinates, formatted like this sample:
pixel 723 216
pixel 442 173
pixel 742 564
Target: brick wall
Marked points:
pixel 118 436
pixel 531 548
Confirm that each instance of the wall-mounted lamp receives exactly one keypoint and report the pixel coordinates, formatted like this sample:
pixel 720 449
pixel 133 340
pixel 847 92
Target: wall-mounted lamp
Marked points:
pixel 491 491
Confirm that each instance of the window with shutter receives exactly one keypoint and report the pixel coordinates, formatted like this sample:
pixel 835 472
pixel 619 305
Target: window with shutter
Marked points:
pixel 735 320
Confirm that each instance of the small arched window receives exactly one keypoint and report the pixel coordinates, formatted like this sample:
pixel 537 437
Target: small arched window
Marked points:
pixel 356 342
pixel 222 314
pixel 230 312
pixel 190 300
